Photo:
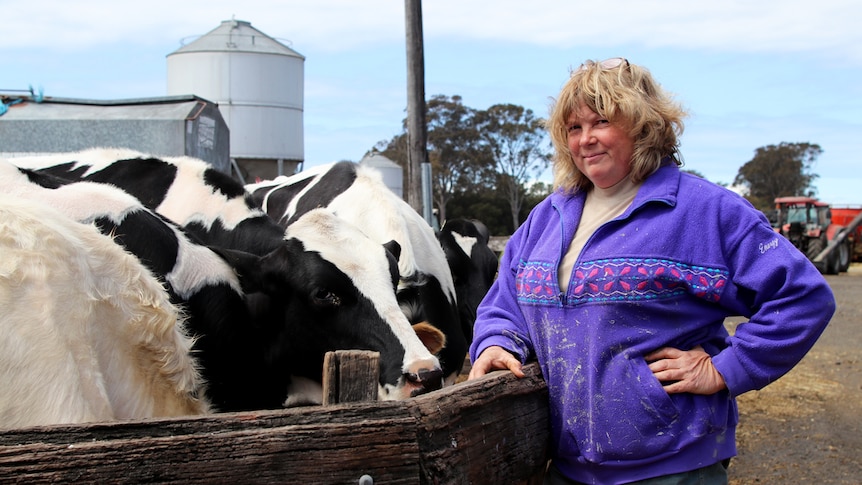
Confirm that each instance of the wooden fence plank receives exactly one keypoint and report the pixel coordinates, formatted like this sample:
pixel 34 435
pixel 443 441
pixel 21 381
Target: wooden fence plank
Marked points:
pixel 319 453
pixel 492 430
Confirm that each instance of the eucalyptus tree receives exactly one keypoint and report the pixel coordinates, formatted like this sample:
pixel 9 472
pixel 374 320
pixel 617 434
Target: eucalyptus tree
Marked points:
pixel 517 142
pixel 779 170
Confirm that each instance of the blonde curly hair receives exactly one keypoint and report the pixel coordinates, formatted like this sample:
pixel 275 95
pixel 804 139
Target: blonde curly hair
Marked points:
pixel 625 94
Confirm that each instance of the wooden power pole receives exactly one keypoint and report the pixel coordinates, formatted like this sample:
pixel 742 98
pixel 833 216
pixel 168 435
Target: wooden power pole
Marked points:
pixel 417 131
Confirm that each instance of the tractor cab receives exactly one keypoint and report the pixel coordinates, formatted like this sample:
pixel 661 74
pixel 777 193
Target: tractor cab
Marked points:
pixel 807 223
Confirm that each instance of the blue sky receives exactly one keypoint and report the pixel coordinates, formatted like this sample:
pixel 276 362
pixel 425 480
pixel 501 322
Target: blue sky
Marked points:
pixel 751 74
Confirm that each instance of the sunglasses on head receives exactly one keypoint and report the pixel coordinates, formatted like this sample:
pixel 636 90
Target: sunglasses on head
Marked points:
pixel 607 64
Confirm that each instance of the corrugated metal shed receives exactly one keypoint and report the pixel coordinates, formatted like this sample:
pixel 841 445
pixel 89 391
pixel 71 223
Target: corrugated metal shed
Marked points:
pixel 167 126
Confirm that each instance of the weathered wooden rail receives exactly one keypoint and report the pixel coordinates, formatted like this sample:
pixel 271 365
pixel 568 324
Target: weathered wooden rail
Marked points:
pixel 492 430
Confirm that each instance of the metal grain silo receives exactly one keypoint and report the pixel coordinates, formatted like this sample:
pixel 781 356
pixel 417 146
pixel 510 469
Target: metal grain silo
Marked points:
pixel 257 83
pixel 392 173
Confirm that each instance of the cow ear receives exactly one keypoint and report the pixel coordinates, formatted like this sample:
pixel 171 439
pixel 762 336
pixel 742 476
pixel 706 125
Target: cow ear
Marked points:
pixel 247 267
pixel 394 248
pixel 433 339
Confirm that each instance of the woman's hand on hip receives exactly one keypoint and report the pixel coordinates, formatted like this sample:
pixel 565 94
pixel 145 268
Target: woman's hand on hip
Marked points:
pixel 685 371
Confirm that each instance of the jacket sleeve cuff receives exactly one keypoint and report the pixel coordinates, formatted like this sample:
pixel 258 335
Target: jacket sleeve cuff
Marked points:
pixel 735 376
pixel 500 341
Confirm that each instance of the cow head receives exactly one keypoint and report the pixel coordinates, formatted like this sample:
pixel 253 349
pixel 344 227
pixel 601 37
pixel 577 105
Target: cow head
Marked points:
pixel 329 287
pixel 357 194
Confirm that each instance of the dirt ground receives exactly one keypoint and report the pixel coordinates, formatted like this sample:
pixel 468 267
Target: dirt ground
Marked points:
pixel 807 426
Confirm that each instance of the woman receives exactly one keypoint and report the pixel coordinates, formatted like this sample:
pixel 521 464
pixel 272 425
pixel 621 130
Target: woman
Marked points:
pixel 619 283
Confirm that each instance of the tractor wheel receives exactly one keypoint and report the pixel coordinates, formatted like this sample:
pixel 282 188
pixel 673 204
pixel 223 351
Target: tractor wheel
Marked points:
pixel 832 263
pixel 843 257
pixel 815 246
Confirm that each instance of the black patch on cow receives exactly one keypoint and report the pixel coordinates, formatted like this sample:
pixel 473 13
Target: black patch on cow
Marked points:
pixel 393 252
pixel 148 237
pixel 331 184
pixel 66 171
pixel 259 193
pixel 239 356
pixel 147 179
pixel 228 186
pixel 278 199
pixel 44 179
pixel 258 235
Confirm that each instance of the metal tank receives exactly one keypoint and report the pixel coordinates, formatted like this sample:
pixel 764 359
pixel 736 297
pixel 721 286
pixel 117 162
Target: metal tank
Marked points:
pixel 257 83
pixel 393 174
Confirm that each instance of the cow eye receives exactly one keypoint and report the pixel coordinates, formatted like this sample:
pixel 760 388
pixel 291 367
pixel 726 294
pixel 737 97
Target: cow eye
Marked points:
pixel 324 297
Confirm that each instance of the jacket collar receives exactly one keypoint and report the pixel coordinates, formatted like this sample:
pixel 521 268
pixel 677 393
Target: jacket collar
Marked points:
pixel 661 186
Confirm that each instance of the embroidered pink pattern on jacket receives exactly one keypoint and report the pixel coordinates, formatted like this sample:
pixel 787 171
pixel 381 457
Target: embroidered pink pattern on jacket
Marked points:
pixel 620 279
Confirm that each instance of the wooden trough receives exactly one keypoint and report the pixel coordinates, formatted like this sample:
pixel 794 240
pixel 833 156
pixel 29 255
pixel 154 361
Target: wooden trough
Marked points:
pixel 492 430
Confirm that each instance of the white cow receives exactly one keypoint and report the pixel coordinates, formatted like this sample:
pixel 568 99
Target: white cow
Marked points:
pixel 86 332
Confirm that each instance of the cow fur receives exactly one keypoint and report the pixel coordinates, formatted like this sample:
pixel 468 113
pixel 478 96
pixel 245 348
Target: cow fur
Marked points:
pixel 249 342
pixel 86 332
pixel 357 194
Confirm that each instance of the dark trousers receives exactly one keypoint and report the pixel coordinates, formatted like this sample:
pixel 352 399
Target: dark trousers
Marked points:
pixel 711 475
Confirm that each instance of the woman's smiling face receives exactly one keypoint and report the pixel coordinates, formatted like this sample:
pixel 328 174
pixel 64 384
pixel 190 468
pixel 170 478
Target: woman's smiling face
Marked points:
pixel 601 150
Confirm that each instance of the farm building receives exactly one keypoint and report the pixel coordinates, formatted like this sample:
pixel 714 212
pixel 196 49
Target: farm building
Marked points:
pixel 166 126
pixel 235 100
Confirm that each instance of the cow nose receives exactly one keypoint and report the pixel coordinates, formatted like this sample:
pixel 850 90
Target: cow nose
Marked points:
pixel 427 379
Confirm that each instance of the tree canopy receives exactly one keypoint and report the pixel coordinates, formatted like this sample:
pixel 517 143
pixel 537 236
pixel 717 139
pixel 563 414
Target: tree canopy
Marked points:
pixel 455 150
pixel 491 153
pixel 514 137
pixel 778 171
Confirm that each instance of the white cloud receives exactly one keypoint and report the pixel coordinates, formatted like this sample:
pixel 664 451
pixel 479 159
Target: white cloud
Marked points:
pixel 735 25
pixel 339 25
pixel 325 24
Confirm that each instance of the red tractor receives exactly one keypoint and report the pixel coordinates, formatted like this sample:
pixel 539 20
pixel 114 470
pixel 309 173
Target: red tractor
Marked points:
pixel 850 217
pixel 807 223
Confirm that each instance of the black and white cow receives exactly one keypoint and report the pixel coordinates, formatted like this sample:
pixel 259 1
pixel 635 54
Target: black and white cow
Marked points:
pixel 297 301
pixel 473 264
pixel 203 201
pixel 357 194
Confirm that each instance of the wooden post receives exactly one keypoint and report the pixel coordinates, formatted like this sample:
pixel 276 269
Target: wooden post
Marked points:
pixel 417 131
pixel 350 376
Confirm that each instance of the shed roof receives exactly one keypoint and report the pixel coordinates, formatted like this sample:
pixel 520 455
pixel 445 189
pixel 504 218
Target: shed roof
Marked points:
pixel 169 126
pixel 54 108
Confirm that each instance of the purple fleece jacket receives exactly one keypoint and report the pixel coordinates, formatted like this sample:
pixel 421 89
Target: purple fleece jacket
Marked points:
pixel 667 272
